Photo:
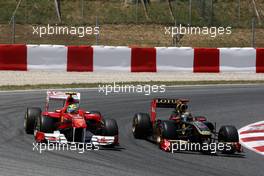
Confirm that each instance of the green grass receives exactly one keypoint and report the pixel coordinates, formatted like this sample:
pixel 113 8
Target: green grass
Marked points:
pixel 114 12
pixel 95 85
pixel 121 25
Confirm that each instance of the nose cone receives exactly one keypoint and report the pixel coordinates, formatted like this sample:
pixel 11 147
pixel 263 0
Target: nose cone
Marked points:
pixel 78 123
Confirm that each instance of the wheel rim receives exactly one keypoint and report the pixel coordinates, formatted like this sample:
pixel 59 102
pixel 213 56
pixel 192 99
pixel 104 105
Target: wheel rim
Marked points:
pixel 25 121
pixel 133 129
pixel 36 125
pixel 159 137
pixel 134 126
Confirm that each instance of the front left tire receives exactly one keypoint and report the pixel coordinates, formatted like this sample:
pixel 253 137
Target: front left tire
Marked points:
pixel 167 130
pixel 31 116
pixel 46 124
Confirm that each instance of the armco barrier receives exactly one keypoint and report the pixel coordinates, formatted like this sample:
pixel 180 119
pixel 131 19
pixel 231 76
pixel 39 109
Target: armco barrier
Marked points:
pixel 109 58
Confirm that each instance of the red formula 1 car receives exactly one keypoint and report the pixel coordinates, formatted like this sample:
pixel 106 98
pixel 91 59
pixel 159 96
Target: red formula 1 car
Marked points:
pixel 184 129
pixel 63 121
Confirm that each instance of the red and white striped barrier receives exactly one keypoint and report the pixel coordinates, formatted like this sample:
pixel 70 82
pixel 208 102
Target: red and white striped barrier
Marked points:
pixel 252 137
pixel 107 58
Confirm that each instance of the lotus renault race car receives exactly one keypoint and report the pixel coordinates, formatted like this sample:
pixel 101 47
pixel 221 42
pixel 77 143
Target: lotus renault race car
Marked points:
pixel 183 129
pixel 63 121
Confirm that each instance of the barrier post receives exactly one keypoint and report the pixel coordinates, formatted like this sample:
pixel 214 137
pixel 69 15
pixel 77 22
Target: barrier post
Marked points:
pixel 253 32
pixel 212 13
pixel 13 30
pixel 238 12
pixel 136 11
pixel 97 35
pixel 82 10
pixel 190 12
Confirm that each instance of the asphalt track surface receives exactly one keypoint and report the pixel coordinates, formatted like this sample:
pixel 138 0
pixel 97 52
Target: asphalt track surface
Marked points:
pixel 238 105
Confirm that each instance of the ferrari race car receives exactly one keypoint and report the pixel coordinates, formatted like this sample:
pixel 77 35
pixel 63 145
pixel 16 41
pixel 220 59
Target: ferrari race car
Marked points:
pixel 63 121
pixel 182 130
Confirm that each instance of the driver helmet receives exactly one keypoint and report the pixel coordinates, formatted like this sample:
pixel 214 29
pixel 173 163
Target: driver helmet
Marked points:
pixel 181 107
pixel 73 108
pixel 186 117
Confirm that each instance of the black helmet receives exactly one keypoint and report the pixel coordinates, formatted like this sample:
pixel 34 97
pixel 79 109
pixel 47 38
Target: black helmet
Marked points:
pixel 183 107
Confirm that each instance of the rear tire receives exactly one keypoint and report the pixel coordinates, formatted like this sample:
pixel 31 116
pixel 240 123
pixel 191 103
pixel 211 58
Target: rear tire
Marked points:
pixel 30 119
pixel 110 127
pixel 141 126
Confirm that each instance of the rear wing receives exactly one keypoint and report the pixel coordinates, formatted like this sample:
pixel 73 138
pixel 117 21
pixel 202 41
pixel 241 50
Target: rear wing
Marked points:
pixel 168 103
pixel 62 95
pixel 164 103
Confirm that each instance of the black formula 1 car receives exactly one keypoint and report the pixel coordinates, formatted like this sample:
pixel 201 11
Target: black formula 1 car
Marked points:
pixel 183 129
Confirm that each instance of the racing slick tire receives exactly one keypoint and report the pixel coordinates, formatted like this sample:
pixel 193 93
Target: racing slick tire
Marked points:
pixel 167 130
pixel 228 134
pixel 30 119
pixel 110 127
pixel 141 126
pixel 46 124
